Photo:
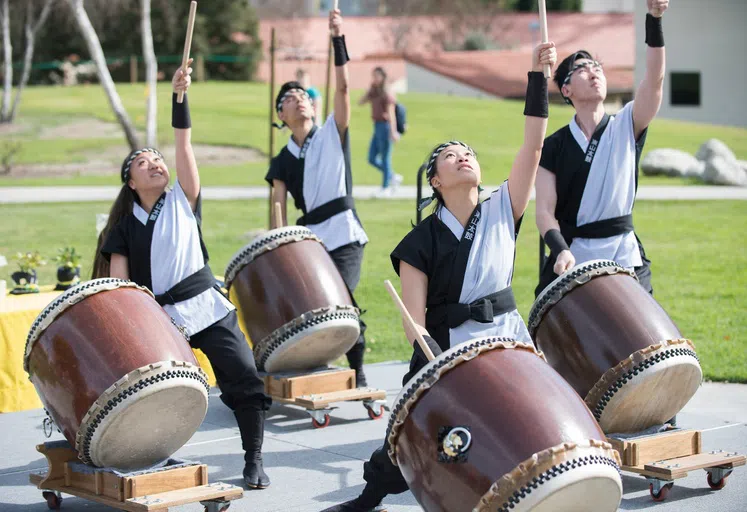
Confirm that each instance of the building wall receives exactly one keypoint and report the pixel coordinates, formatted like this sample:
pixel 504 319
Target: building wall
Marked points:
pixel 610 5
pixel 420 79
pixel 706 38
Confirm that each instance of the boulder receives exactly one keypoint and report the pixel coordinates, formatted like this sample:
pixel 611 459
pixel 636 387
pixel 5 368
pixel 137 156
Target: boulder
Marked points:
pixel 670 162
pixel 720 171
pixel 713 148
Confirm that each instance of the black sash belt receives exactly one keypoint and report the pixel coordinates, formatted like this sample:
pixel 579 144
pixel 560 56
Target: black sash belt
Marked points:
pixel 599 229
pixel 189 287
pixel 482 310
pixel 327 210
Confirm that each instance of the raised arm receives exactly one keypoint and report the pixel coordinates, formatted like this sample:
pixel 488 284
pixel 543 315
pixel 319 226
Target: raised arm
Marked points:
pixel 524 169
pixel 186 165
pixel 650 91
pixel 342 89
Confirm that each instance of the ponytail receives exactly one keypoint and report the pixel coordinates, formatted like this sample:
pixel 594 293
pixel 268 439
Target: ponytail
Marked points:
pixel 120 209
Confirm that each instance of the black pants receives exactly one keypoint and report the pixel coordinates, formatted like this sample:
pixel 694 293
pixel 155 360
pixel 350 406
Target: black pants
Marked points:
pixel 233 364
pixel 348 260
pixel 381 476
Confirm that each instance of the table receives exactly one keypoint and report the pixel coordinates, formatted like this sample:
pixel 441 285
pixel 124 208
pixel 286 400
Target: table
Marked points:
pixel 17 313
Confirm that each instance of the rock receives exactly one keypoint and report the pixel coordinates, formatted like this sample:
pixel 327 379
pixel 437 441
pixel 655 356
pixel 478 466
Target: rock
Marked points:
pixel 669 162
pixel 696 171
pixel 720 171
pixel 713 148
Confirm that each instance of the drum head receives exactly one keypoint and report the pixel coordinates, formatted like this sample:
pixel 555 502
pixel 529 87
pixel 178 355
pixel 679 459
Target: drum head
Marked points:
pixel 573 477
pixel 586 489
pixel 648 389
pixel 145 417
pixel 317 341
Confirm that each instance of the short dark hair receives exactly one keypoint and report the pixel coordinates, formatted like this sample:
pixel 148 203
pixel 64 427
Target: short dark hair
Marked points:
pixel 564 68
pixel 287 86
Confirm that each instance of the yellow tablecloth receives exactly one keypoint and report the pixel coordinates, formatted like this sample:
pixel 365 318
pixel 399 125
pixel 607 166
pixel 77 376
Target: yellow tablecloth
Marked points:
pixel 17 313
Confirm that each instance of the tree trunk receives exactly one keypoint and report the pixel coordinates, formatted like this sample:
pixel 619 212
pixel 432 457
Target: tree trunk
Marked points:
pixel 97 54
pixel 151 77
pixel 7 63
pixel 31 30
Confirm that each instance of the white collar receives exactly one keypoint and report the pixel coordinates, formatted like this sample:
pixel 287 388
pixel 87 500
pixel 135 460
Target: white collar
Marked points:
pixel 579 135
pixel 451 222
pixel 140 214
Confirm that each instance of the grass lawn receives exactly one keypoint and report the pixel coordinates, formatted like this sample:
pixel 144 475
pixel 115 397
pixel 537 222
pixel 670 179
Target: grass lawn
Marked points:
pixel 696 247
pixel 233 113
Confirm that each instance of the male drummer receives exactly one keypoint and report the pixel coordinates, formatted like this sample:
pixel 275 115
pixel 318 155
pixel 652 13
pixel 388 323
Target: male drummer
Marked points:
pixel 315 168
pixel 588 173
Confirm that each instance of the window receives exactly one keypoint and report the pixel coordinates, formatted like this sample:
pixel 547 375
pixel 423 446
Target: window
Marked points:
pixel 685 89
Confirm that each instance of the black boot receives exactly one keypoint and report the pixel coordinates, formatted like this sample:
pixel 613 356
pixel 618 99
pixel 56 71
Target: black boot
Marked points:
pixel 252 427
pixel 355 360
pixel 368 501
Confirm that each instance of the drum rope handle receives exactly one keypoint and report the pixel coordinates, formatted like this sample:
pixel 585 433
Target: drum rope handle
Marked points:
pixel 409 321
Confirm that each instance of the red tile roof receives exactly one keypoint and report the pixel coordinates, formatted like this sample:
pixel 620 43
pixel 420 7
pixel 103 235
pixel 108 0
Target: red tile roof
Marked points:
pixel 608 36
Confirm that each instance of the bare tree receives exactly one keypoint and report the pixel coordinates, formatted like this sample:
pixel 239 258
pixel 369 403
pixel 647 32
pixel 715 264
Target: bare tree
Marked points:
pixel 31 30
pixel 7 62
pixel 151 77
pixel 97 54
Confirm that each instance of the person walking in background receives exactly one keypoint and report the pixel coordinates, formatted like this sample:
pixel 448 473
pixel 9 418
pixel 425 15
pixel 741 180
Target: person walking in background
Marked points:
pixel 385 132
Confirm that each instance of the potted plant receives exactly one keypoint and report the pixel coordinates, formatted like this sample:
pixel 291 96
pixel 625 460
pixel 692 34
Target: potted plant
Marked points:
pixel 25 278
pixel 68 268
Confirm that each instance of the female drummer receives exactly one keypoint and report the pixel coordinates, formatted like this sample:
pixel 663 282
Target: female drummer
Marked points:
pixel 153 238
pixel 456 265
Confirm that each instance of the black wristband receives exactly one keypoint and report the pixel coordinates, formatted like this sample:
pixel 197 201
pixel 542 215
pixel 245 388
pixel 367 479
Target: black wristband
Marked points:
pixel 555 242
pixel 654 33
pixel 536 104
pixel 180 113
pixel 432 344
pixel 341 50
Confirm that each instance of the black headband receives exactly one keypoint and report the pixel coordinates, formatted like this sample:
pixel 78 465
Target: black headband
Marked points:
pixel 125 173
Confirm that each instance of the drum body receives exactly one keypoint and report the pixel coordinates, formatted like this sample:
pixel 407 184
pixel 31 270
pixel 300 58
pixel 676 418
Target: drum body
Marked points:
pixel 292 300
pixel 616 346
pixel 116 375
pixel 488 425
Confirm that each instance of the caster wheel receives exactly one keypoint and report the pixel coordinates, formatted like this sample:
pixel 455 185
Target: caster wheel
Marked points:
pixel 662 494
pixel 325 423
pixel 54 500
pixel 373 415
pixel 716 486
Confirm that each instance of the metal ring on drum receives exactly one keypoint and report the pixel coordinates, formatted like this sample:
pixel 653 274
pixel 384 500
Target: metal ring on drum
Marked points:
pixel 115 374
pixel 292 300
pixel 617 347
pixel 488 425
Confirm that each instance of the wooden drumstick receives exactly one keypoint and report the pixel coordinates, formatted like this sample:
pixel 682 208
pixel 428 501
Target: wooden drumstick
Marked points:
pixel 278 216
pixel 543 33
pixel 188 44
pixel 409 321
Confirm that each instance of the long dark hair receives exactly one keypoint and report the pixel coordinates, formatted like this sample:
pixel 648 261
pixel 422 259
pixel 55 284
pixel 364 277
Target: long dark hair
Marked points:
pixel 384 86
pixel 120 209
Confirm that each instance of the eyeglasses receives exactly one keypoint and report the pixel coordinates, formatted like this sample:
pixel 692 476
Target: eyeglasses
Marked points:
pixel 588 65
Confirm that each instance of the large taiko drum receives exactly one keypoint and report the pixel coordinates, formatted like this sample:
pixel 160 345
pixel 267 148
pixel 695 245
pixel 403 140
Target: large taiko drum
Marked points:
pixel 292 300
pixel 489 426
pixel 616 346
pixel 116 375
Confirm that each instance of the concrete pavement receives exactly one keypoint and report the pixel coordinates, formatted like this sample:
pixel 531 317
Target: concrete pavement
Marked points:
pixel 313 469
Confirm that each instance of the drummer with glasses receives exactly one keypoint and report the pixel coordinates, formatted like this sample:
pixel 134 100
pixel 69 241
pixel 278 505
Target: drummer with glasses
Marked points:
pixel 588 174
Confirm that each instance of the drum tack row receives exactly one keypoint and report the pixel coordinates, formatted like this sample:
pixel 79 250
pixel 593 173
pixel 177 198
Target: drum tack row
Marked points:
pixel 510 426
